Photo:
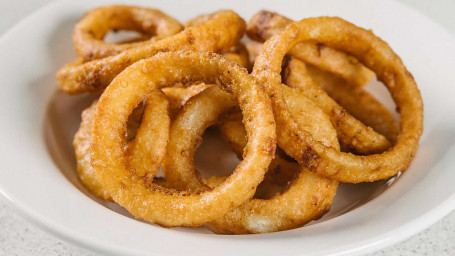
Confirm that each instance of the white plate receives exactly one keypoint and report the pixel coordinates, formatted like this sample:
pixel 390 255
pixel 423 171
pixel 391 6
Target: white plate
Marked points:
pixel 37 124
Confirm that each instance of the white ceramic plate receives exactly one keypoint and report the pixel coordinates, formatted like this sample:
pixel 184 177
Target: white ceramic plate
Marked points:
pixel 38 175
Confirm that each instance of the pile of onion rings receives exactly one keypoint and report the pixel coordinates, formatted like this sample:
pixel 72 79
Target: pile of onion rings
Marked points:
pixel 286 96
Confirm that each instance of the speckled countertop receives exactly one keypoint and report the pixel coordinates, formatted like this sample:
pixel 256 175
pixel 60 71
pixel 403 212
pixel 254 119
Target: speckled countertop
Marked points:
pixel 18 237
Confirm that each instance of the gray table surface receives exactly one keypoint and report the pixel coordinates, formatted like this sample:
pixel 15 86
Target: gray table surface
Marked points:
pixel 18 237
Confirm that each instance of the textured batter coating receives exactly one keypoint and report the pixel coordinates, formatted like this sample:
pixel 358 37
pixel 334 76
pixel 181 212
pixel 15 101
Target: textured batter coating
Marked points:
pixel 185 136
pixel 239 55
pixel 146 151
pixel 90 30
pixel 357 101
pixel 222 31
pixel 164 206
pixel 373 53
pixel 232 131
pixel 179 95
pixel 308 197
pixel 147 135
pixel 281 171
pixel 156 122
pixel 354 136
pixel 265 24
pixel 186 139
pixel 81 143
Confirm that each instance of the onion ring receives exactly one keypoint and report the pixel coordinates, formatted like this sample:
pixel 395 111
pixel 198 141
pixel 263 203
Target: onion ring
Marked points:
pixel 376 55
pixel 157 204
pixel 308 197
pixel 353 135
pixel 265 24
pixel 90 30
pixel 219 33
pixel 144 157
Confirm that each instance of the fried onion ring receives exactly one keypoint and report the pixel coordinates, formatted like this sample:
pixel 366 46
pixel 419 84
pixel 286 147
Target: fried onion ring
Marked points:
pixel 373 53
pixel 149 126
pixel 308 197
pixel 353 135
pixel 164 206
pixel 219 33
pixel 265 24
pixel 90 30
